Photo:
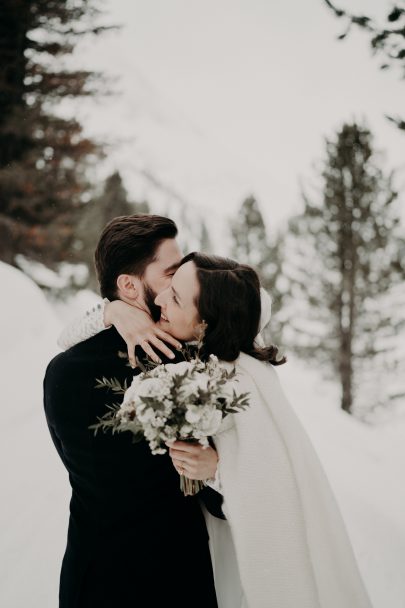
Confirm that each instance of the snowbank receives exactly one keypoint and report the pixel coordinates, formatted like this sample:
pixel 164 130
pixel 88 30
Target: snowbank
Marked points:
pixel 35 491
pixel 364 464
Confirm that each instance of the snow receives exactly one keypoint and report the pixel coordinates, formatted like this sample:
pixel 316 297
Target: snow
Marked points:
pixel 364 463
pixel 35 491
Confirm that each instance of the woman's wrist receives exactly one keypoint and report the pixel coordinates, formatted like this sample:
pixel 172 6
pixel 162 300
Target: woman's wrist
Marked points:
pixel 107 317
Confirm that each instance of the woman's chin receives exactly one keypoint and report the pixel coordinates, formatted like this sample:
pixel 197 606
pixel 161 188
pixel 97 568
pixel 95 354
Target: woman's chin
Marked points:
pixel 165 325
pixel 162 323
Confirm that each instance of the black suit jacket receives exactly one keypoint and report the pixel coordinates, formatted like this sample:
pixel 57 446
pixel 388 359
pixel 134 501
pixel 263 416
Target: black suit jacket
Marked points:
pixel 134 540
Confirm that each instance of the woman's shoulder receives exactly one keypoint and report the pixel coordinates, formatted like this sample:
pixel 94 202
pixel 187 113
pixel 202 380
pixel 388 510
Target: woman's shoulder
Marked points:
pixel 259 374
pixel 249 363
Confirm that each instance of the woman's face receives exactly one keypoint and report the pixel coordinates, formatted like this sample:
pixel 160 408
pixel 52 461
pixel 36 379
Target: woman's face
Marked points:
pixel 179 315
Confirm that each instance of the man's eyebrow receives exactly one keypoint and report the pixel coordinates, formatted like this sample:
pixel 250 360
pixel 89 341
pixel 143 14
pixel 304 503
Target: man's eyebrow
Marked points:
pixel 172 268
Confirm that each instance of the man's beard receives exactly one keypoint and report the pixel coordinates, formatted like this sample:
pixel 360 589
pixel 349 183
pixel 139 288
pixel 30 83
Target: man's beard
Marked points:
pixel 149 297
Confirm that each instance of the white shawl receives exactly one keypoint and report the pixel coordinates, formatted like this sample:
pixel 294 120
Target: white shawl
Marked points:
pixel 291 543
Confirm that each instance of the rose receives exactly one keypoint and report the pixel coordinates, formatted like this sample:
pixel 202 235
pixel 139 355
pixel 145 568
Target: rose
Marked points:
pixel 191 386
pixel 151 387
pixel 132 391
pixel 179 368
pixel 204 418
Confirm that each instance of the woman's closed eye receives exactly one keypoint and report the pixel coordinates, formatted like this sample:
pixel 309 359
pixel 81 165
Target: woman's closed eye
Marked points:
pixel 175 297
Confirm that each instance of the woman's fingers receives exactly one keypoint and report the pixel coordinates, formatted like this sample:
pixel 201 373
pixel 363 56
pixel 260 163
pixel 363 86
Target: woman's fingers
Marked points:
pixel 149 351
pixel 200 464
pixel 147 344
pixel 131 355
pixel 162 347
pixel 184 446
pixel 181 467
pixel 136 326
pixel 150 337
pixel 163 335
pixel 181 457
pixel 154 339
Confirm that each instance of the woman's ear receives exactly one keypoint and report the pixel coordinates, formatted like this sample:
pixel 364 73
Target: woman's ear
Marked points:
pixel 129 287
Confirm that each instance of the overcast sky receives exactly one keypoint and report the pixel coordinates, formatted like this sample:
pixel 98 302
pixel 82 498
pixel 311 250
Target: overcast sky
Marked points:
pixel 222 98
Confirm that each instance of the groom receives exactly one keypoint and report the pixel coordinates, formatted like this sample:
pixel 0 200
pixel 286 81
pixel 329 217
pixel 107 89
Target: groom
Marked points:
pixel 134 540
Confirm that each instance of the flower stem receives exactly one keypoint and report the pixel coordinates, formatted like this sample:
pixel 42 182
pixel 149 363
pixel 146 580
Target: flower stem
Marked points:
pixel 190 487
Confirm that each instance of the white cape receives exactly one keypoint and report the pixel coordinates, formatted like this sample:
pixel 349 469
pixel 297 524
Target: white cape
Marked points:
pixel 286 535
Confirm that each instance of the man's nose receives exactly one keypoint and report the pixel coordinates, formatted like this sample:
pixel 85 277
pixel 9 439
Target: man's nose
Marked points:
pixel 159 300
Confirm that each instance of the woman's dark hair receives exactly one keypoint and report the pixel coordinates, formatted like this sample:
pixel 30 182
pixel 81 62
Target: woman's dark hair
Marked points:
pixel 229 303
pixel 127 245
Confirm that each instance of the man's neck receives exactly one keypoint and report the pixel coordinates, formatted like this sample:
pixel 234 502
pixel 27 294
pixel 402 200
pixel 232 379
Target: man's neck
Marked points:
pixel 138 303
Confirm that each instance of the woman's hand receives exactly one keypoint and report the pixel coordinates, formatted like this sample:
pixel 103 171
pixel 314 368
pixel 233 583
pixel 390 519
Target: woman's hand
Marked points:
pixel 137 327
pixel 194 460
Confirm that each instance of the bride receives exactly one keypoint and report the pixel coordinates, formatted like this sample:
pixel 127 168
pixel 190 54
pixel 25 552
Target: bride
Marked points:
pixel 283 543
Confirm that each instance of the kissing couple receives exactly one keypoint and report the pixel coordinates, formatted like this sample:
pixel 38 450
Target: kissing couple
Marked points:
pixel 265 532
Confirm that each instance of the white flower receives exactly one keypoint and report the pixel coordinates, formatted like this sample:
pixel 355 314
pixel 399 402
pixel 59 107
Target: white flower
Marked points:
pixel 206 419
pixel 126 409
pixel 229 389
pixel 185 430
pixel 145 414
pixel 188 390
pixel 150 387
pixel 194 413
pixel 179 368
pixel 131 392
pixel 203 381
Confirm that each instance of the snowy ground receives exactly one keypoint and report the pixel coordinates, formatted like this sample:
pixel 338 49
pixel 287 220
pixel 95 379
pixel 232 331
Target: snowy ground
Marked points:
pixel 364 463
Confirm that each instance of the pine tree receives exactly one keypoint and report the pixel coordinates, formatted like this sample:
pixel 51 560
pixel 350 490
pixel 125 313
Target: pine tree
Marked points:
pixel 113 202
pixel 346 253
pixel 250 245
pixel 43 156
pixel 387 40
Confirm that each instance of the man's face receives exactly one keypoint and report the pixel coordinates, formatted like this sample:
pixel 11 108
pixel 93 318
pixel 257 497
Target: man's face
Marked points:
pixel 158 274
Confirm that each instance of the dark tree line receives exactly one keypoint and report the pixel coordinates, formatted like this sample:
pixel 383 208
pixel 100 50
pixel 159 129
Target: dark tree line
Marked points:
pixel 43 156
pixel 112 202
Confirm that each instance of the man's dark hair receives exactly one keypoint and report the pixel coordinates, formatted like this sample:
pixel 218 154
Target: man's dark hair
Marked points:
pixel 127 245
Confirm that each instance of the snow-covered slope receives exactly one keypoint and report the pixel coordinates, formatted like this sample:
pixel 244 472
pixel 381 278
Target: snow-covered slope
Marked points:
pixel 364 463
pixel 35 491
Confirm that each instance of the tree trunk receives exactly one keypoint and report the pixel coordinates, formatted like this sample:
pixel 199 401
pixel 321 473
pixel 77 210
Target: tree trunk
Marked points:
pixel 13 31
pixel 346 370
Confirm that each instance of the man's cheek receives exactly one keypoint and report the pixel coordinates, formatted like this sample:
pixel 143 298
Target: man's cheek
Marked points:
pixel 165 283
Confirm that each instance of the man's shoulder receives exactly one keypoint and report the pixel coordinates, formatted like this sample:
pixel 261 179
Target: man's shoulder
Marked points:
pixel 85 360
pixel 63 365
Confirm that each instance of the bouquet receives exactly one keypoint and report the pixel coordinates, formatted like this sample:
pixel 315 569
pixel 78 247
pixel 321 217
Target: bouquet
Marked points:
pixel 184 401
